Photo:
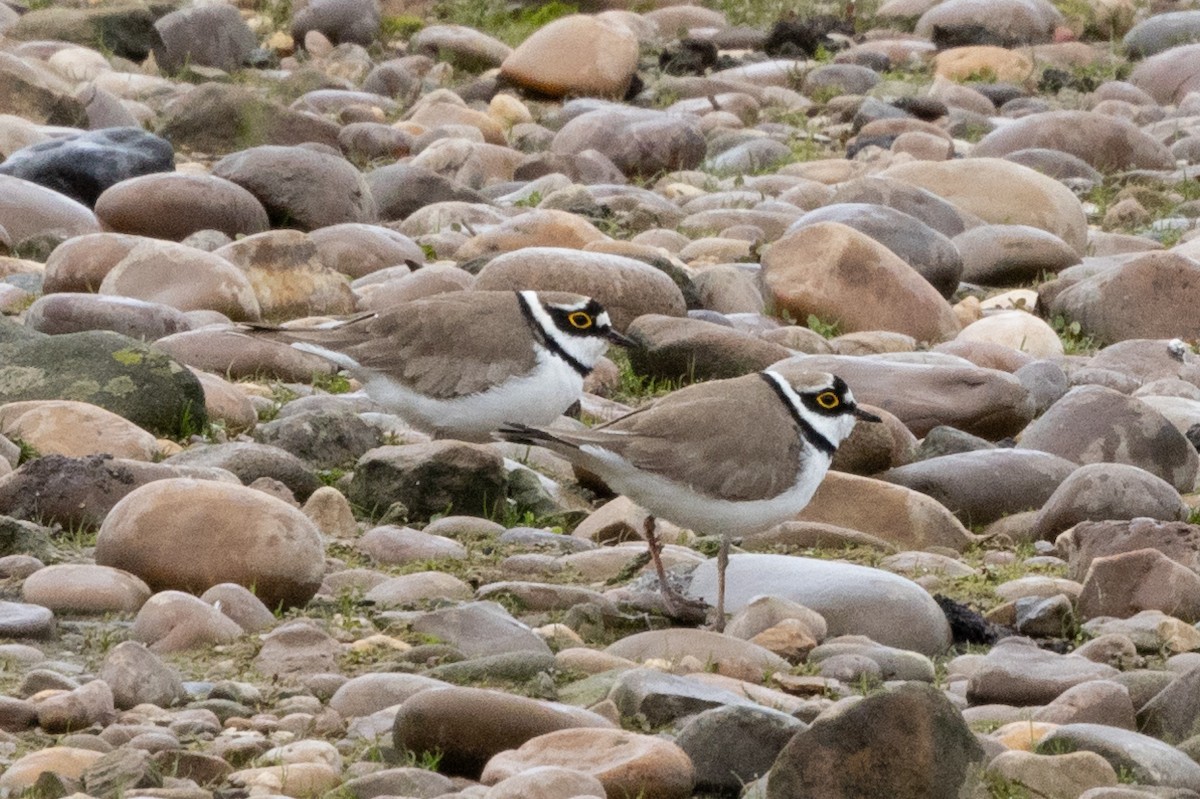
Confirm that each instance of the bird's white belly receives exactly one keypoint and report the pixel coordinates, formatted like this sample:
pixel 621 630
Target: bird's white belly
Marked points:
pixel 685 507
pixel 536 398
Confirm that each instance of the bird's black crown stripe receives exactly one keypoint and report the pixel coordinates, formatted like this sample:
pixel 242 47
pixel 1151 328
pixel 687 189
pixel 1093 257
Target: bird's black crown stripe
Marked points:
pixel 818 441
pixel 547 340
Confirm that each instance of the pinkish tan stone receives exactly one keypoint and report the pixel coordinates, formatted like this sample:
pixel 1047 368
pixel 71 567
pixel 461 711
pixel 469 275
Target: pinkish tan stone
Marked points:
pixel 75 429
pixel 840 275
pixel 577 55
pixel 626 763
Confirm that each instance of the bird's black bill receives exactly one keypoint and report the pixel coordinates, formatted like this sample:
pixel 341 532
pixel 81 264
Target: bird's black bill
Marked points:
pixel 618 338
pixel 866 416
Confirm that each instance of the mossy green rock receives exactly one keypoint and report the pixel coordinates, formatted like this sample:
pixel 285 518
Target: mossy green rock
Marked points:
pixel 116 372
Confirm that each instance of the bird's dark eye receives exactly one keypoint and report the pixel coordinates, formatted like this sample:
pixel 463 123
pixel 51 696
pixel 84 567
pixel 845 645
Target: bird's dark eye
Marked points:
pixel 580 320
pixel 828 400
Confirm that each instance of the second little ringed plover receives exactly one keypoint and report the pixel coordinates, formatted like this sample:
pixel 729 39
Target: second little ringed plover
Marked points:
pixel 726 457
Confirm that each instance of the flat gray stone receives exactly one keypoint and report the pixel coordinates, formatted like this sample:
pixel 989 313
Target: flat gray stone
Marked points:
pixel 480 628
pixel 662 698
pixel 1151 761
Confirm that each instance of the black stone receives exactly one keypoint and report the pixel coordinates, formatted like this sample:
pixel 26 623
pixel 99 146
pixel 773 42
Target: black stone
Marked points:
pixel 84 165
pixel 804 36
pixel 689 57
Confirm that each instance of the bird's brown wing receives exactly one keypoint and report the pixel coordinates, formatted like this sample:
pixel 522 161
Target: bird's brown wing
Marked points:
pixel 730 439
pixel 491 339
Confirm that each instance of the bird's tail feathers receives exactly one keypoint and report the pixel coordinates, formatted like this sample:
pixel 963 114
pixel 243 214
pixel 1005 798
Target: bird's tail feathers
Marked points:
pixel 517 433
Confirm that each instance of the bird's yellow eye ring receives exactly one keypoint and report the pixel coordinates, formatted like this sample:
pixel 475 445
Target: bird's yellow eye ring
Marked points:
pixel 580 320
pixel 828 400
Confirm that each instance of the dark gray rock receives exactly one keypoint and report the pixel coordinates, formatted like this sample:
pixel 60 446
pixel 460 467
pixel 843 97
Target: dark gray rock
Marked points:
pixel 908 743
pixel 83 165
pixel 340 21
pixel 107 369
pixel 300 187
pixel 400 189
pixel 1045 381
pixel 206 36
pixel 735 744
pixel 322 439
pixel 438 477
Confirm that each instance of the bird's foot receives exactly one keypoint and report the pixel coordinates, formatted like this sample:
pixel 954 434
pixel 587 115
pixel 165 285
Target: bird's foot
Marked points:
pixel 682 608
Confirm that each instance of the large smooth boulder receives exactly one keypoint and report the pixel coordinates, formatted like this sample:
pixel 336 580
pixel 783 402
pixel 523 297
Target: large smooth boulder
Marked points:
pixel 854 600
pixel 190 535
pixel 1001 192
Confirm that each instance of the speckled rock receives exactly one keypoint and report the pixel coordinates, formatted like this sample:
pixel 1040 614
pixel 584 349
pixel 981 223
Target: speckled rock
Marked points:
pixel 911 742
pixel 1127 301
pixel 1103 491
pixel 1093 423
pixel 109 370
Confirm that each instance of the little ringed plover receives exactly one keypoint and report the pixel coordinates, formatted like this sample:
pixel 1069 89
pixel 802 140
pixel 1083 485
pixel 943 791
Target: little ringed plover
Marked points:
pixel 726 457
pixel 461 364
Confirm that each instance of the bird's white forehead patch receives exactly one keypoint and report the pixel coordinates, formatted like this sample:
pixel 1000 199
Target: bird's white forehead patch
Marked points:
pixel 570 306
pixel 809 382
pixel 602 320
